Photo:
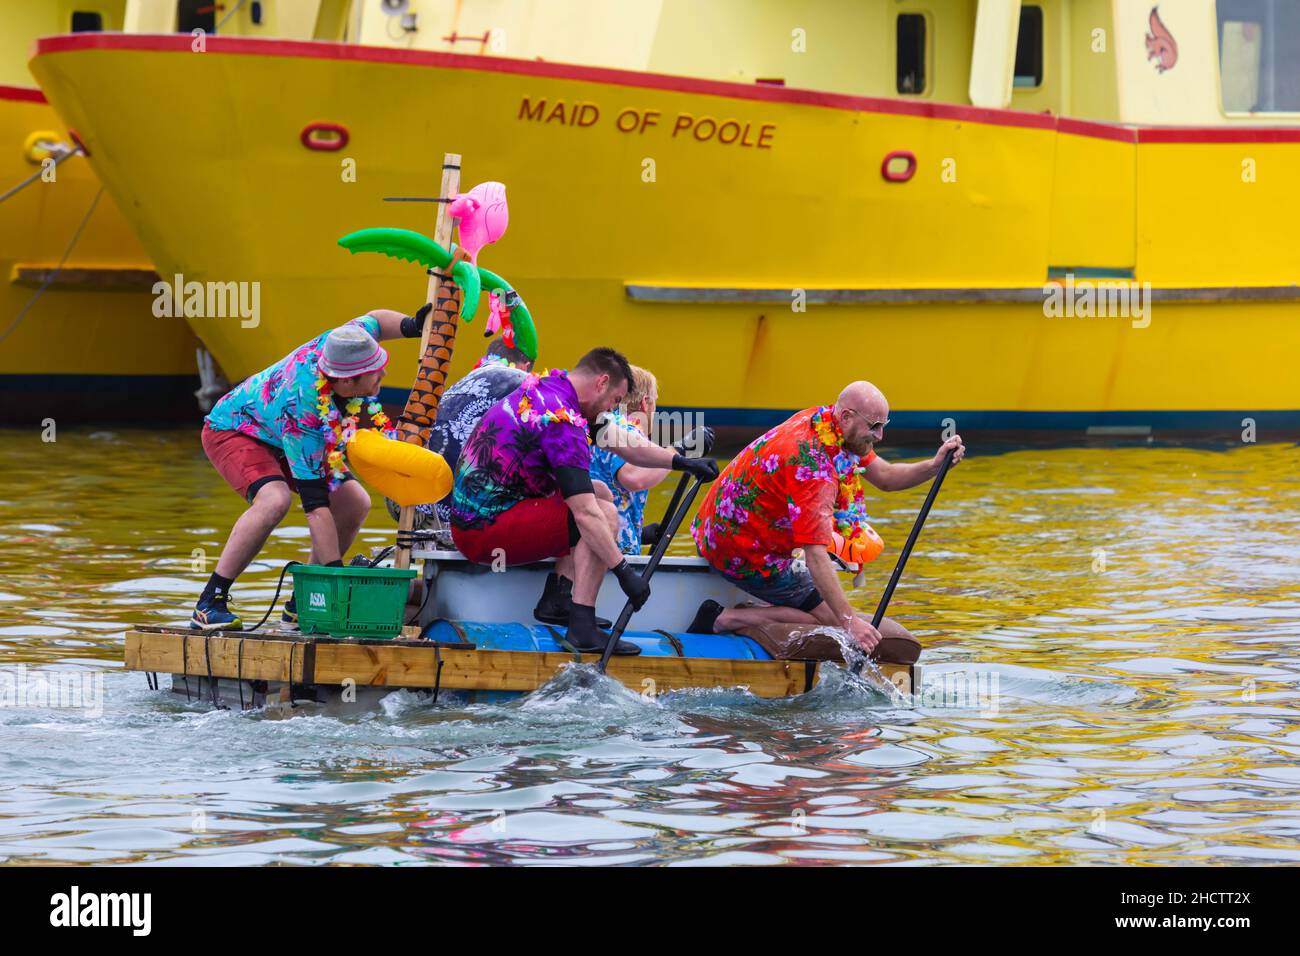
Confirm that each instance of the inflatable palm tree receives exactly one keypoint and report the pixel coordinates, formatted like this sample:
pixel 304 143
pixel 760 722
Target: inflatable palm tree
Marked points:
pixel 458 297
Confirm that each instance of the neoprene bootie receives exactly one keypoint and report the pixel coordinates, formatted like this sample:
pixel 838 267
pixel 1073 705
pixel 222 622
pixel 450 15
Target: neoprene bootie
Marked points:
pixel 584 636
pixel 557 598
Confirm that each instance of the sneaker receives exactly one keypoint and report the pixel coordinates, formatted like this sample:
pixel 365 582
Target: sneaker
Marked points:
pixel 214 614
pixel 556 601
pixel 289 616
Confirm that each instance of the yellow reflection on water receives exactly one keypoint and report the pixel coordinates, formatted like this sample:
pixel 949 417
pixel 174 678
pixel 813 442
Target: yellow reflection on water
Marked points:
pixel 1132 612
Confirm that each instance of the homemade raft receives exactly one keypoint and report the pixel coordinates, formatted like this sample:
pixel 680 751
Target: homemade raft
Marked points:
pixel 476 637
pixel 478 644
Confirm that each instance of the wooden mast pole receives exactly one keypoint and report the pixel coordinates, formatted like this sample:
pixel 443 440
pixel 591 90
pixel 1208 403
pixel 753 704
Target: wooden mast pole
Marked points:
pixel 436 345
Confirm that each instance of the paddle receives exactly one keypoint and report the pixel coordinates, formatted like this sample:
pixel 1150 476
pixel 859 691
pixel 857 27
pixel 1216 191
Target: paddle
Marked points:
pixel 672 520
pixel 672 507
pixel 911 540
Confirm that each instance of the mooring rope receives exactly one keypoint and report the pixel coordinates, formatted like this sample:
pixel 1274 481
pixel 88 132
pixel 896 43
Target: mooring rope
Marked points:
pixel 212 681
pixel 239 673
pixel 231 13
pixel 54 273
pixel 64 152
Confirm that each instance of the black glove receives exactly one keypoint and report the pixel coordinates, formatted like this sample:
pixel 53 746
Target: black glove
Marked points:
pixel 633 586
pixel 650 533
pixel 413 325
pixel 705 469
pixel 701 438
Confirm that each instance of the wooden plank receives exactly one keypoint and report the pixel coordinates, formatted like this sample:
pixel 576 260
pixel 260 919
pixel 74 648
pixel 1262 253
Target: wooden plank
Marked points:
pixel 445 314
pixel 415 665
pixel 85 278
pixel 172 653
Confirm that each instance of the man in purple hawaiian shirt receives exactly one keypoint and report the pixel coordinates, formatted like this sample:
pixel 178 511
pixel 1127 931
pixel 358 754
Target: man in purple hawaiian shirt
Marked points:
pixel 524 492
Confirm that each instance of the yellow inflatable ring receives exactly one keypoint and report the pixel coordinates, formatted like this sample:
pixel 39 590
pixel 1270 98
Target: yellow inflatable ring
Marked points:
pixel 405 472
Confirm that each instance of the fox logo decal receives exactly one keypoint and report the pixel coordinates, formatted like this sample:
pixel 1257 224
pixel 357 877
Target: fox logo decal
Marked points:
pixel 1161 45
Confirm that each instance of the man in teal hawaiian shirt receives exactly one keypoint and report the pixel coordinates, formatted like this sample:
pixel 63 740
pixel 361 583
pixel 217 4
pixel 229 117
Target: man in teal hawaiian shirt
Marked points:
pixel 271 435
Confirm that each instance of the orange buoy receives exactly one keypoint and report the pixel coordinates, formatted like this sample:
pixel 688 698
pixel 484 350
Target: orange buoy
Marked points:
pixel 863 547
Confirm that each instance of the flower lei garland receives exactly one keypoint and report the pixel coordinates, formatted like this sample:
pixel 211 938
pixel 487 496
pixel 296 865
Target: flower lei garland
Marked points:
pixel 495 360
pixel 530 415
pixel 850 518
pixel 338 430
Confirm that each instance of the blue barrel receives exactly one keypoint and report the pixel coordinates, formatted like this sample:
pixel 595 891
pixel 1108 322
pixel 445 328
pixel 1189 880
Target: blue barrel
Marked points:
pixel 512 636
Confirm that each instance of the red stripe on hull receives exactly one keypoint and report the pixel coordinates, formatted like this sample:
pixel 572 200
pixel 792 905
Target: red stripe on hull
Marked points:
pixel 25 94
pixel 168 43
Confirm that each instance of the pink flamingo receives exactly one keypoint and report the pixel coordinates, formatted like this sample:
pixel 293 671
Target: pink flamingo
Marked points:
pixel 483 215
pixel 499 309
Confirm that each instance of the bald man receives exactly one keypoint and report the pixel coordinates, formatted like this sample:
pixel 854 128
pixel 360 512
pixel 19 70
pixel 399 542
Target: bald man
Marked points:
pixel 779 494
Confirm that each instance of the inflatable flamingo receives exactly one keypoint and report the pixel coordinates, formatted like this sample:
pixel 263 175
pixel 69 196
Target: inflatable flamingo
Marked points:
pixel 500 305
pixel 483 216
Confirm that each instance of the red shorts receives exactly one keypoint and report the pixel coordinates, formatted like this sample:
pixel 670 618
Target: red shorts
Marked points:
pixel 532 530
pixel 242 460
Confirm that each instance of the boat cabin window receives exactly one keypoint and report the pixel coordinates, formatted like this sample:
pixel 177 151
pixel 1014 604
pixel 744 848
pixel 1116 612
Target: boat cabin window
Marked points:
pixel 194 15
pixel 1029 49
pixel 1259 56
pixel 87 21
pixel 911 53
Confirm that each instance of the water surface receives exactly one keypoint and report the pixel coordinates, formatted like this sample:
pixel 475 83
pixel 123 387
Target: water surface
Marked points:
pixel 1131 613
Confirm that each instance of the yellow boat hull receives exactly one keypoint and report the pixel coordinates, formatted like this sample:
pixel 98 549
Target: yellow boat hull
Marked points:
pixel 637 224
pixel 89 346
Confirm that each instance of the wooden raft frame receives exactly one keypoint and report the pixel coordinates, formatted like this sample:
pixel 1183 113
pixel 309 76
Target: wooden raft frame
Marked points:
pixel 414 664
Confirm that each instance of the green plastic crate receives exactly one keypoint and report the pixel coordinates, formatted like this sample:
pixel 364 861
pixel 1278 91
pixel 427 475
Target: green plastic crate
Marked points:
pixel 350 601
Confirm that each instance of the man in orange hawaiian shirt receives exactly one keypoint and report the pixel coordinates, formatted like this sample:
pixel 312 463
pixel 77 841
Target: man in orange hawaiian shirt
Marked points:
pixel 780 493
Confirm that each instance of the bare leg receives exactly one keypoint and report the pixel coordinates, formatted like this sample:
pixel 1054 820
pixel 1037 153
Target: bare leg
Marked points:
pixel 564 566
pixel 248 536
pixel 734 618
pixel 589 566
pixel 349 503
